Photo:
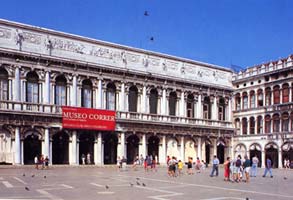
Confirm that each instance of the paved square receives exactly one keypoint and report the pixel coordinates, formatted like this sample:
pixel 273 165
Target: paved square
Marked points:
pixel 61 183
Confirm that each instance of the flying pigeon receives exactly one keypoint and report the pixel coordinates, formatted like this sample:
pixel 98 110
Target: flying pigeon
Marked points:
pixel 146 13
pixel 152 38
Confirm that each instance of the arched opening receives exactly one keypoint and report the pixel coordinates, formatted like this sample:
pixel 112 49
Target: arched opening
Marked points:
pixel 244 126
pixel 240 149
pixel 207 113
pixel 87 94
pixel 153 101
pixel 132 148
pixel 276 123
pixel 3 84
pixel 132 99
pixel 252 99
pixel 287 151
pixel 110 148
pixel 60 91
pixel 285 93
pixel 32 147
pixel 208 152
pixel 221 151
pixel 86 147
pixel 268 97
pixel 190 149
pixel 172 103
pixel 276 91
pixel 172 148
pixel 111 96
pixel 259 98
pixel 245 100
pixel 271 150
pixel 153 146
pixel 190 105
pixel 32 88
pixel 222 109
pixel 237 126
pixel 60 148
pixel 255 150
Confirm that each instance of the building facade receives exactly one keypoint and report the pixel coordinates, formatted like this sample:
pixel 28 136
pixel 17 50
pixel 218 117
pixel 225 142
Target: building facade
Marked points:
pixel 263 111
pixel 164 105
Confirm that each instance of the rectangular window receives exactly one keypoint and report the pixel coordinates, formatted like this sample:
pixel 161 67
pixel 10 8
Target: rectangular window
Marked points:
pixel 245 102
pixel 110 101
pixel 87 98
pixel 32 92
pixel 221 113
pixel 189 109
pixel 60 95
pixel 205 111
pixel 3 90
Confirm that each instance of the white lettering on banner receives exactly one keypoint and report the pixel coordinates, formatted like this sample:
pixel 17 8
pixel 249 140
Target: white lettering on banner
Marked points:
pixel 73 115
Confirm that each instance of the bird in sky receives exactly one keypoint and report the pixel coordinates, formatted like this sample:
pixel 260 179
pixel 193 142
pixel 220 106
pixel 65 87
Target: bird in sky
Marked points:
pixel 152 39
pixel 146 13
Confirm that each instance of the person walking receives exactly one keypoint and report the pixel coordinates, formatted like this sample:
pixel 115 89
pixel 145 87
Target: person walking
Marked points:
pixel 216 163
pixel 254 166
pixel 246 168
pixel 268 168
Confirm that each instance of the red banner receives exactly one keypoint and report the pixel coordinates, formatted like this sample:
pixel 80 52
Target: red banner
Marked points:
pixel 85 118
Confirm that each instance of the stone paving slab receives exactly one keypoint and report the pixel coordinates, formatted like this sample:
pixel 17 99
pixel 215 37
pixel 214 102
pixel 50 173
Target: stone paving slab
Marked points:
pixel 105 183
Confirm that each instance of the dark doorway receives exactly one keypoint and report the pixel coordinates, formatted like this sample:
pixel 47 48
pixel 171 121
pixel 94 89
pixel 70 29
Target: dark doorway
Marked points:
pixel 272 154
pixel 221 153
pixel 287 154
pixel 60 148
pixel 153 146
pixel 110 148
pixel 207 148
pixel 32 147
pixel 256 153
pixel 86 147
pixel 132 148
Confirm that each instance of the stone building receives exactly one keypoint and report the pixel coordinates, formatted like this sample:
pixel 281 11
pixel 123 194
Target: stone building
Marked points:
pixel 263 111
pixel 164 105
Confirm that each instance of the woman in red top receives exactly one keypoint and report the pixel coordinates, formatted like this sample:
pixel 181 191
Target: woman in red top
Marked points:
pixel 227 169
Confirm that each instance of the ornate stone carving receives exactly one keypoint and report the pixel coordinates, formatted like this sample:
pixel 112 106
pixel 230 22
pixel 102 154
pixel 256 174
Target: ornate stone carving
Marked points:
pixel 5 33
pixel 67 45
pixel 31 38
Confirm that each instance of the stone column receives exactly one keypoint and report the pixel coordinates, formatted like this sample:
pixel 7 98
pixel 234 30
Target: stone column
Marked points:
pixel 199 148
pixel 99 151
pixel 74 148
pixel 229 116
pixel 162 151
pixel 164 99
pixel 143 100
pixel 47 88
pixel 16 89
pixel 248 125
pixel 182 153
pixel 122 97
pixel 263 158
pixel 215 109
pixel 74 91
pixel 47 143
pixel 182 103
pixel 10 90
pixel 214 147
pixel 280 163
pixel 199 107
pixel 17 156
pixel 121 151
pixel 142 146
pixel 100 95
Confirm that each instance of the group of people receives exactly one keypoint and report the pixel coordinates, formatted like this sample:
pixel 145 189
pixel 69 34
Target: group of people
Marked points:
pixel 41 160
pixel 86 159
pixel 175 167
pixel 149 162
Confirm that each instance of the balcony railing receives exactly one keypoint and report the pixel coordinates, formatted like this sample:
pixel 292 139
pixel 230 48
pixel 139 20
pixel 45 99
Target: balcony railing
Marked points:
pixel 131 116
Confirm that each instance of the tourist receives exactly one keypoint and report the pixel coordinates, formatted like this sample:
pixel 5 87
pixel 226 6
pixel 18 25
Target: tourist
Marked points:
pixel 268 168
pixel 246 168
pixel 119 163
pixel 254 166
pixel 88 158
pixel 189 166
pixel 227 169
pixel 83 159
pixel 286 163
pixel 180 167
pixel 36 160
pixel 238 166
pixel 198 165
pixel 47 162
pixel 216 163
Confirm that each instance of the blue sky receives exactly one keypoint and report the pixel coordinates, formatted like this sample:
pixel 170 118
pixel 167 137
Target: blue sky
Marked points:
pixel 222 32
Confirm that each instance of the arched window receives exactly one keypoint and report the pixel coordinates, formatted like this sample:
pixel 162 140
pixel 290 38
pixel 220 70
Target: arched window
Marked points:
pixel 87 94
pixel 276 125
pixel 259 98
pixel 238 102
pixel 3 84
pixel 252 99
pixel 60 91
pixel 222 109
pixel 276 94
pixel 172 103
pixel 237 126
pixel 245 100
pixel 153 101
pixel 190 105
pixel 259 125
pixel 207 108
pixel 268 96
pixel 268 124
pixel 111 96
pixel 251 126
pixel 285 122
pixel 244 126
pixel 285 94
pixel 132 99
pixel 32 88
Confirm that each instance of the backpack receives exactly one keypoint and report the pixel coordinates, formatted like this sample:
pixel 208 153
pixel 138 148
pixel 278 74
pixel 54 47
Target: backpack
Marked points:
pixel 238 163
